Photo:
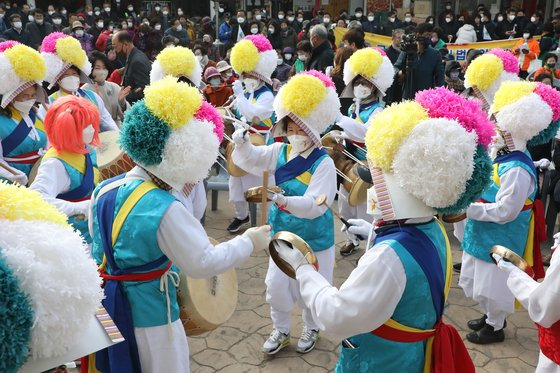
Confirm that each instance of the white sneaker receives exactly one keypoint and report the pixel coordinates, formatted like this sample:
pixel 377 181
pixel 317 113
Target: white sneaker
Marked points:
pixel 276 342
pixel 307 340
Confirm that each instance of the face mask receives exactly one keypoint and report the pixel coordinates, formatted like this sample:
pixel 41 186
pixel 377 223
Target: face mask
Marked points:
pixel 370 18
pixel 130 9
pixel 100 24
pixel 87 134
pixel 147 23
pixel 51 12
pixel 299 143
pixel 124 26
pixel 250 84
pixel 30 18
pixel 500 19
pixel 179 28
pixel 391 20
pixel 300 20
pixel 302 57
pixel 287 56
pixel 271 30
pixel 70 83
pixel 24 107
pixel 431 22
pixel 129 24
pixel 361 91
pixel 326 20
pixel 448 7
pixel 511 18
pixel 221 10
pixel 39 21
pixel 215 82
pixel 97 12
pixel 90 13
pixel 57 21
pixel 279 61
pixel 157 8
pixel 447 19
pixel 165 12
pixel 291 19
pixel 107 9
pixel 526 36
pixel 254 30
pixel 373 207
pixel 454 76
pixel 180 13
pixel 551 65
pixel 100 75
pixel 280 16
pixel 157 27
pixel 17 24
pixel 407 19
pixel 63 11
pixel 228 75
pixel 240 19
pixel 258 17
pixel 358 15
pixel 533 19
pixel 434 40
pixel 79 33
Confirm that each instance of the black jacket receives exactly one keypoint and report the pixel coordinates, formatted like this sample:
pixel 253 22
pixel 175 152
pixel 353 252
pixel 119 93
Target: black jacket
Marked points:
pixel 23 37
pixel 136 74
pixel 38 32
pixel 322 56
pixel 427 71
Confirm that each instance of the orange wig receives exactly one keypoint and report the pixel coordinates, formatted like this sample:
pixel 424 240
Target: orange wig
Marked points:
pixel 65 121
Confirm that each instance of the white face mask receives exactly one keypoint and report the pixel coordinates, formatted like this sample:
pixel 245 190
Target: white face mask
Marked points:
pixel 158 8
pixel 254 30
pixel 30 18
pixel 79 33
pixel 99 24
pixel 326 19
pixel 287 56
pixel 51 12
pixel 511 18
pixel 87 134
pixel 63 11
pixel 361 91
pixel 70 83
pixel 258 17
pixel 302 57
pixel 157 27
pixel 179 28
pixel 291 19
pixel 129 24
pixel 17 24
pixel 180 13
pixel 299 143
pixel 370 18
pixel 251 84
pixel 24 107
pixel 407 19
pixel 448 20
pixel 373 208
pixel 300 20
pixel 165 12
pixel 100 75
pixel 526 36
pixel 90 13
pixel 279 61
pixel 57 21
pixel 107 9
pixel 271 30
pixel 97 12
pixel 240 19
pixel 228 75
pixel 533 19
pixel 358 15
pixel 391 19
pixel 280 16
pixel 431 22
pixel 130 9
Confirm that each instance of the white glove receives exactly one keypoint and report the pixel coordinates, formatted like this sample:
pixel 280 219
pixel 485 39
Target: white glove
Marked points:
pixel 543 164
pixel 556 241
pixel 238 88
pixel 240 136
pixel 504 265
pixel 351 237
pixel 259 236
pixel 293 257
pixel 278 198
pixel 81 210
pixel 20 177
pixel 359 227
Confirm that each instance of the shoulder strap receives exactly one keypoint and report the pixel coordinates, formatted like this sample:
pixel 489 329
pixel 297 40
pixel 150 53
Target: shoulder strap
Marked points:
pixel 297 166
pixel 14 139
pixel 86 186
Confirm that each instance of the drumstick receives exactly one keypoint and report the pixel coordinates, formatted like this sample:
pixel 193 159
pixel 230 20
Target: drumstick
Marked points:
pixel 8 168
pixel 264 197
pixel 322 201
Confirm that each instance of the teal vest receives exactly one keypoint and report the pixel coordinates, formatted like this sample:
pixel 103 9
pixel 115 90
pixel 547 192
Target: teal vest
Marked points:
pixel 264 124
pixel 7 125
pixel 318 232
pixel 481 236
pixel 415 309
pixel 363 117
pixel 137 245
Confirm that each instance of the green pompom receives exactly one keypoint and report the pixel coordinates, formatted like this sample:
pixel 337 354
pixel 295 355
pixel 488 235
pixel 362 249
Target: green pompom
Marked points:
pixel 15 323
pixel 545 135
pixel 143 135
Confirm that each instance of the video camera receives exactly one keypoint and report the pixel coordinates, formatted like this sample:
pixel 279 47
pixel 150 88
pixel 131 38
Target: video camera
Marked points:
pixel 408 44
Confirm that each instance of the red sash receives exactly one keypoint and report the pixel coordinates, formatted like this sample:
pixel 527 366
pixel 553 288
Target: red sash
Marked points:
pixel 549 341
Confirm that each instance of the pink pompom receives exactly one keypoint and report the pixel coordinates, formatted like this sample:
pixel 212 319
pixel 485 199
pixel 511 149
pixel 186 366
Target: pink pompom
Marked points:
pixel 551 96
pixel 49 42
pixel 260 41
pixel 443 103
pixel 327 81
pixel 7 45
pixel 209 113
pixel 379 50
pixel 508 60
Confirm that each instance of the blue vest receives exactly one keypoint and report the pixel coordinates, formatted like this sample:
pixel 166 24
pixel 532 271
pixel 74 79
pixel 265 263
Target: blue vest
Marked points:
pixel 481 236
pixel 264 124
pixel 318 232
pixel 363 117
pixel 28 145
pixel 137 245
pixel 415 309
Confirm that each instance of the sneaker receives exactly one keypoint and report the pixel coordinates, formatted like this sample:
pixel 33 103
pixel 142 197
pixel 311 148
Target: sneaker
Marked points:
pixel 347 249
pixel 457 267
pixel 307 340
pixel 236 224
pixel 276 342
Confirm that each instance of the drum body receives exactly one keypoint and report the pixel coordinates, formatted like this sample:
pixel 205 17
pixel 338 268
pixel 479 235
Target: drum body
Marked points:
pixel 111 159
pixel 234 170
pixel 33 172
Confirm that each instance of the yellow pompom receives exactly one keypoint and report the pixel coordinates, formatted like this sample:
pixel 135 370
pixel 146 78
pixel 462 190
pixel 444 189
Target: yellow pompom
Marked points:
pixel 177 61
pixel 174 102
pixel 302 94
pixel 70 51
pixel 244 56
pixel 510 92
pixel 484 71
pixel 389 128
pixel 27 62
pixel 365 62
pixel 18 202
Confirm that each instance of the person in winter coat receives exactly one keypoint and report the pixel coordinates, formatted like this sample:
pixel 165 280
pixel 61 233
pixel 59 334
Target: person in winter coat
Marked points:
pixel 453 79
pixel 526 50
pixel 288 36
pixel 273 34
pixel 488 28
pixel 466 34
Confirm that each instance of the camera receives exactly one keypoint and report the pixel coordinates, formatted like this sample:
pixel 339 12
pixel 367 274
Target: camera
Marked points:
pixel 408 44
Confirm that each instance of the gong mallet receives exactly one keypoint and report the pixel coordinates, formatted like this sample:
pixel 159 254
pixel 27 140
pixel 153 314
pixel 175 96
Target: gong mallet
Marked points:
pixel 322 201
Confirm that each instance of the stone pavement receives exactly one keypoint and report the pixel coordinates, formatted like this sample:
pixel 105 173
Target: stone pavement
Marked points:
pixel 236 346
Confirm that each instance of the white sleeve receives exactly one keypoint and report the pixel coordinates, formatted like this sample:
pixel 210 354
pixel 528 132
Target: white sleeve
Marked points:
pixel 256 158
pixel 355 130
pixel 542 300
pixel 3 172
pixel 199 201
pixel 261 109
pixel 52 180
pixel 323 181
pixel 516 185
pixel 183 239
pixel 106 122
pixel 365 301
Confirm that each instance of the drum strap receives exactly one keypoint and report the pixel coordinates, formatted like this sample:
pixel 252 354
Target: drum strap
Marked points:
pixel 82 191
pixel 18 135
pixel 297 166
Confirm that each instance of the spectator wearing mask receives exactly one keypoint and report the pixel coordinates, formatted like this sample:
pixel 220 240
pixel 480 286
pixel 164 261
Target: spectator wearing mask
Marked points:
pixel 146 40
pixel 526 50
pixel 297 24
pixel 281 16
pixel 240 28
pixel 216 91
pixel 449 27
pixel 437 38
pixel 548 40
pixel 508 27
pixel 107 13
pixel 394 93
pixel 303 53
pixel 56 20
pixel 288 53
pixel 128 27
pixel 498 18
pixel 273 35
pixel 68 29
pixel 156 12
pixel 113 96
pixel 104 36
pixel 258 18
pixel 38 29
pixel 206 27
pixel 50 11
pixel 427 69
pixel 430 20
pixel 202 58
pixel 212 50
pixel 460 20
pixel 354 39
pixel 407 21
pixel 288 35
pixel 17 32
pixel 322 54
pixel 254 28
pixel 97 28
pixel 545 78
pixel 453 79
pixel 371 25
pixel 447 9
pixel 131 13
pixel 164 18
pixel 488 30
pixel 522 22
pixel 358 15
pixel 327 20
pixel 85 39
pixel 226 72
pixel 549 66
pixel 176 31
pixel 26 16
pixel 137 68
pixel 3 18
pixel 282 71
pixel 392 23
pixel 466 34
pixel 89 16
pixel 537 20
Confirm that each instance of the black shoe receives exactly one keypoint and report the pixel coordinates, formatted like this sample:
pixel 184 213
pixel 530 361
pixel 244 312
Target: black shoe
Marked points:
pixel 457 267
pixel 347 249
pixel 478 324
pixel 486 335
pixel 236 224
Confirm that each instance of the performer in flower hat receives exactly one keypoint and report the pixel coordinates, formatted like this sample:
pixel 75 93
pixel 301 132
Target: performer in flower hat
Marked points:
pixel 426 156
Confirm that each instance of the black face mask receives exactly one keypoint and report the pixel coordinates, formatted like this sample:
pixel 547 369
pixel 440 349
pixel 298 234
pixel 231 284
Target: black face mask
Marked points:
pixel 551 65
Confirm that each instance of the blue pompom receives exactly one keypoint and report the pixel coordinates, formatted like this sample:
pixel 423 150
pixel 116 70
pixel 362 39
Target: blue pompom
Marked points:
pixel 479 180
pixel 15 321
pixel 143 135
pixel 545 135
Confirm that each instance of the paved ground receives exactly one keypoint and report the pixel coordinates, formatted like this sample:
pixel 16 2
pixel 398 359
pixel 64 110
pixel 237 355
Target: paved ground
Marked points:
pixel 236 346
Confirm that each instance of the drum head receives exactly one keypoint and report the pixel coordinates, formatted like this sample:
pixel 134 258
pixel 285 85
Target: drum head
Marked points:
pixel 358 192
pixel 296 243
pixel 109 150
pixel 33 172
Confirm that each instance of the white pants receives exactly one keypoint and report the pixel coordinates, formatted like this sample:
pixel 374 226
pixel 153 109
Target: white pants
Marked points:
pixel 546 365
pixel 282 292
pixel 237 188
pixel 487 284
pixel 351 212
pixel 163 348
